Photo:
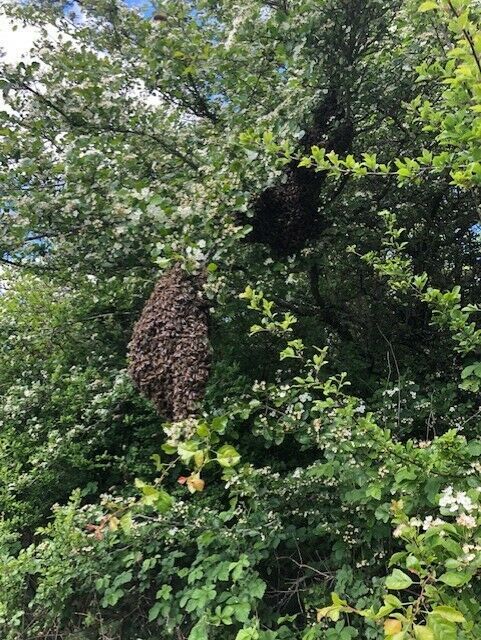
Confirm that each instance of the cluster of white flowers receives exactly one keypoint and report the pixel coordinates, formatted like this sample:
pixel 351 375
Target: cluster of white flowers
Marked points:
pixel 475 467
pixel 233 481
pixel 424 444
pixel 283 389
pixel 400 530
pixel 305 397
pixel 383 471
pixel 427 523
pixel 470 552
pixel 379 555
pixel 180 431
pixel 293 278
pixel 362 563
pixel 461 504
pixel 455 502
pixel 214 287
pixel 431 521
pixel 350 534
pixel 390 392
pixel 259 386
pixel 196 254
pixel 466 520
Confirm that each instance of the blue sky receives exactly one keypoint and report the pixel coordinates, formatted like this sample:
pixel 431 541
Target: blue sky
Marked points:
pixel 137 3
pixel 16 43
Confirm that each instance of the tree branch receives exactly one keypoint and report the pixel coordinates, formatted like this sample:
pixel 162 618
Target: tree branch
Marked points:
pixel 82 123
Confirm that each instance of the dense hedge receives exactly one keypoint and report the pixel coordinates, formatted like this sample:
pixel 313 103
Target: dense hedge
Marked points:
pixel 313 166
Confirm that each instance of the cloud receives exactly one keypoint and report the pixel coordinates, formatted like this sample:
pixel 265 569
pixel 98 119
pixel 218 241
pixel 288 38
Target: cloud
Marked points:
pixel 15 44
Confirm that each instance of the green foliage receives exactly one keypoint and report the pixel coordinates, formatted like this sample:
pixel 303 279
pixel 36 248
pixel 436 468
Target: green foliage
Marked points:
pixel 329 487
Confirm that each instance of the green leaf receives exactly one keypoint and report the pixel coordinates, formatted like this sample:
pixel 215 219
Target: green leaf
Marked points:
pixel 123 578
pixel 164 593
pixel 199 631
pixel 429 5
pixel 219 423
pixel 126 523
pixel 374 491
pixel 455 578
pixel 406 474
pixel 241 611
pixel 247 634
pixel 288 353
pixel 157 461
pixel 155 611
pixel 398 580
pixel 413 564
pixel 267 137
pixel 442 629
pixel 474 448
pixel 397 558
pixel 227 456
pixel 169 449
pixel 448 613
pixel 203 430
pixel 423 633
pixel 393 601
pixel 383 512
pixel 149 492
pixel 163 502
pixel 257 588
pixel 186 451
pixel 337 601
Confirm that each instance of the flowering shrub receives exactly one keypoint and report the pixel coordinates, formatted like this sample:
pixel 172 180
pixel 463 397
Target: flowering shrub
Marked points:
pixel 313 166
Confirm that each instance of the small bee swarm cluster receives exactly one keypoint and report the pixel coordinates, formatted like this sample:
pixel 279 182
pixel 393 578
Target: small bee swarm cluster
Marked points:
pixel 169 352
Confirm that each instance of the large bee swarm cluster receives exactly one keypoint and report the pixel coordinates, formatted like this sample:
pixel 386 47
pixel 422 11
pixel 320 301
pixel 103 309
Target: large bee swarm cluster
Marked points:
pixel 169 352
pixel 287 215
